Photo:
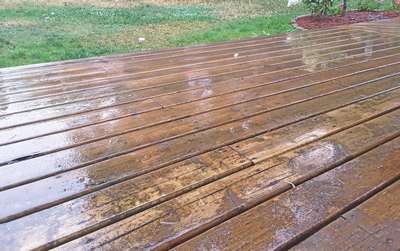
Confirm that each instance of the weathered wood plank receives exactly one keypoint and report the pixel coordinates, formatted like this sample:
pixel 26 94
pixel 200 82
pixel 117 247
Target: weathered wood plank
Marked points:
pixel 157 155
pixel 191 58
pixel 97 104
pixel 266 59
pixel 72 66
pixel 139 193
pixel 215 88
pixel 114 85
pixel 125 127
pixel 373 225
pixel 165 149
pixel 212 74
pixel 284 219
pixel 83 62
pixel 138 70
pixel 182 218
pixel 183 71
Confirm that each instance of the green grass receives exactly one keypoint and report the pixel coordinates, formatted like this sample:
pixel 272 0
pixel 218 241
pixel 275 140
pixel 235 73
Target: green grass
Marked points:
pixel 362 5
pixel 43 32
pixel 34 33
pixel 365 5
pixel 58 33
pixel 50 33
pixel 34 45
pixel 252 27
pixel 140 15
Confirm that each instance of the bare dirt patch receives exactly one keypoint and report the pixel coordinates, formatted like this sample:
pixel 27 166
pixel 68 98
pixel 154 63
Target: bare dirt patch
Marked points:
pixel 310 22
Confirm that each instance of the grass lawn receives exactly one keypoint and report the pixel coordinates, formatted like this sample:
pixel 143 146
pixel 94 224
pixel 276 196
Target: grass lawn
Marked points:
pixel 34 31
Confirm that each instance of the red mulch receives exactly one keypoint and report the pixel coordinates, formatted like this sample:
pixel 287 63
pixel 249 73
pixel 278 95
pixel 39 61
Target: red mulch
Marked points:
pixel 309 22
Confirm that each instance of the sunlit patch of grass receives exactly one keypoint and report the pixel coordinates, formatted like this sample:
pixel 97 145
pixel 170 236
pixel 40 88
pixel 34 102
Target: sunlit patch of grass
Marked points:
pixel 58 33
pixel 140 15
pixel 21 45
pixel 156 36
pixel 252 27
pixel 33 31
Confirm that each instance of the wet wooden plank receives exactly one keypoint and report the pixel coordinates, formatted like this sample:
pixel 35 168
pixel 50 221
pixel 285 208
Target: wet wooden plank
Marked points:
pixel 265 62
pixel 387 31
pixel 146 191
pixel 151 150
pixel 297 90
pixel 130 196
pixel 373 225
pixel 13 104
pixel 146 69
pixel 12 108
pixel 209 76
pixel 77 121
pixel 265 146
pixel 65 65
pixel 69 67
pixel 284 219
pixel 172 222
pixel 386 27
pixel 139 66
pixel 114 85
pixel 212 89
pixel 121 99
pixel 158 155
pixel 18 119
pixel 254 44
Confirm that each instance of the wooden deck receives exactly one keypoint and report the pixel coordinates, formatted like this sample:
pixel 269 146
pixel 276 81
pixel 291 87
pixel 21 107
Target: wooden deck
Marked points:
pixel 286 142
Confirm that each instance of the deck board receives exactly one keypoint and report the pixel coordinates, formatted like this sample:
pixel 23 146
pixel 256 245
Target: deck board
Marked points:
pixel 54 112
pixel 373 225
pixel 283 220
pixel 20 106
pixel 191 148
pixel 204 62
pixel 250 102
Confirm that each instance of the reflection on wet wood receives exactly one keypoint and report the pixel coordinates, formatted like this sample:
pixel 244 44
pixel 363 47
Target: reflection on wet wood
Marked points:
pixel 123 198
pixel 283 220
pixel 197 147
pixel 373 225
pixel 123 112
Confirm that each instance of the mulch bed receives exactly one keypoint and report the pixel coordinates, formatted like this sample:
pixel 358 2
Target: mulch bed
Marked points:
pixel 310 22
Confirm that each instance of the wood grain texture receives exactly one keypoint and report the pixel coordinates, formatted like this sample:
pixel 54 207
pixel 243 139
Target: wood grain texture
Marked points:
pixel 248 188
pixel 171 149
pixel 373 225
pixel 279 222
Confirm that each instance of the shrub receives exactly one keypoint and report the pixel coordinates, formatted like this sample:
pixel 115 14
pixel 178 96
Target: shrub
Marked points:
pixel 367 5
pixel 396 4
pixel 319 7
